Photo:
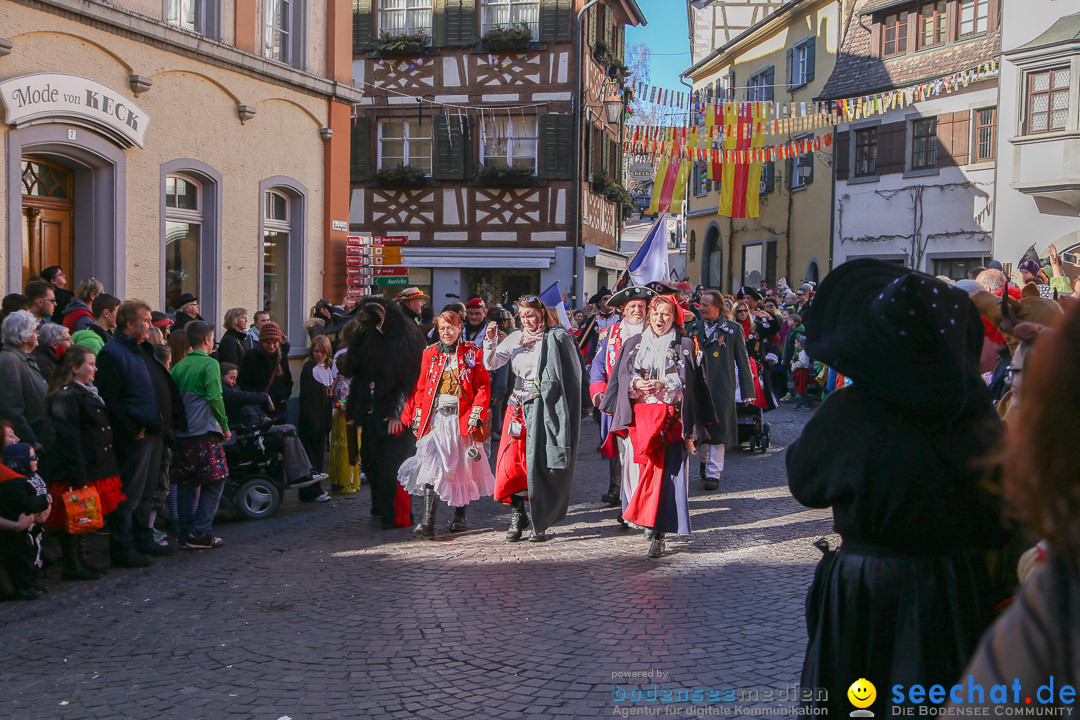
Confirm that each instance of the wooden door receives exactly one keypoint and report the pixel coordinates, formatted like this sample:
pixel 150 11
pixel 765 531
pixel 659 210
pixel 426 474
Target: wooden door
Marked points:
pixel 48 213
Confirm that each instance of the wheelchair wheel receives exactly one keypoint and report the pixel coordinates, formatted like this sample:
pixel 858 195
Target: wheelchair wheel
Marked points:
pixel 257 498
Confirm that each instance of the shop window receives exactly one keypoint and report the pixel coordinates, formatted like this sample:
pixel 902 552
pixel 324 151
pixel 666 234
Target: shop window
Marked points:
pixel 512 13
pixel 974 17
pixel 405 17
pixel 197 16
pixel 509 142
pixel 1047 101
pixel 866 148
pixel 933 24
pixel 894 30
pixel 405 143
pixel 501 285
pixel 283 31
pixel 183 238
pixel 985 134
pixel 924 144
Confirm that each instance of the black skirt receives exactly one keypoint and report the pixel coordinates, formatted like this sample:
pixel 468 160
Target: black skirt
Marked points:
pixel 892 619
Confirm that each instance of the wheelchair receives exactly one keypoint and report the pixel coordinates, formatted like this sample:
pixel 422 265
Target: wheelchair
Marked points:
pixel 257 478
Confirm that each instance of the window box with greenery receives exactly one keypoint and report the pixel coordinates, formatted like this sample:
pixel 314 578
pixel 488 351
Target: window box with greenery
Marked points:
pixel 601 53
pixel 496 176
pixel 394 45
pixel 618 194
pixel 616 70
pixel 509 37
pixel 600 182
pixel 400 176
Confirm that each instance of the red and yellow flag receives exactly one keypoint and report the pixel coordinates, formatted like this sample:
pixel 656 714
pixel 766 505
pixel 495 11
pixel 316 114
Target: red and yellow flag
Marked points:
pixel 739 189
pixel 669 187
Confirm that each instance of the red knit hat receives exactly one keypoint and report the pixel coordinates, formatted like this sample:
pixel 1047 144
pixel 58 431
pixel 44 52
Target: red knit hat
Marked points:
pixel 270 331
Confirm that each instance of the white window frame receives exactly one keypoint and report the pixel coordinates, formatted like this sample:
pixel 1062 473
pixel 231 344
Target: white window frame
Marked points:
pixel 186 216
pixel 517 11
pixel 407 160
pixel 283 227
pixel 756 86
pixel 206 21
pixel 798 63
pixel 972 6
pixel 417 15
pixel 491 126
pixel 292 50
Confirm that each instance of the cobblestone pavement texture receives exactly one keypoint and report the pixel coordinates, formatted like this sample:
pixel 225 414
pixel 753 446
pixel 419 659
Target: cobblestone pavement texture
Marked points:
pixel 316 614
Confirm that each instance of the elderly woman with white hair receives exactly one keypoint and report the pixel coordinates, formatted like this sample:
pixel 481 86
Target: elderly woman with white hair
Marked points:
pixel 53 340
pixel 22 394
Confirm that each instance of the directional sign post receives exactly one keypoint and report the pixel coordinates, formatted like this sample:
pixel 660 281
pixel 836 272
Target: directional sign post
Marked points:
pixel 393 280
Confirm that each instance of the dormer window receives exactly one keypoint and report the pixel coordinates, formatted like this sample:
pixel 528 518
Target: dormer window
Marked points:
pixel 894 30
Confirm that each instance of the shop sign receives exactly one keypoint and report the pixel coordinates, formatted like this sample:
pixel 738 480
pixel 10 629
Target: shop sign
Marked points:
pixel 48 97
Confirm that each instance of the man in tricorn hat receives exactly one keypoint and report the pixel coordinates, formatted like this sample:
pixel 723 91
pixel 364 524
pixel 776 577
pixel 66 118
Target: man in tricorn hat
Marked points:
pixel 604 317
pixel 633 302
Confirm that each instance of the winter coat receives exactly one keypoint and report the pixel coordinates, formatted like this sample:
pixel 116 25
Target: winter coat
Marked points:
pixel 259 373
pixel 83 451
pixel 183 319
pixel 198 380
pixel 696 411
pixel 22 395
pixel 64 298
pixel 78 316
pixel 473 379
pixel 92 338
pixel 554 429
pixel 316 403
pixel 46 361
pixel 244 408
pixel 124 381
pixel 231 348
pixel 789 344
pixel 721 355
pixel 170 404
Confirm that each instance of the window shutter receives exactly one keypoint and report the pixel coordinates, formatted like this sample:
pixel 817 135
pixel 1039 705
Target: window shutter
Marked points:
pixel 555 20
pixel 875 40
pixel 453 147
pixel 811 51
pixel 789 169
pixel 843 154
pixel 770 176
pixel 591 21
pixel 808 159
pixel 363 24
pixel 557 146
pixel 961 137
pixel 790 67
pixel 360 150
pixel 770 81
pixel 454 22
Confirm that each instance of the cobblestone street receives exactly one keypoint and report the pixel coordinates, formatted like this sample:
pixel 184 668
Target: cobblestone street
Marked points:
pixel 315 614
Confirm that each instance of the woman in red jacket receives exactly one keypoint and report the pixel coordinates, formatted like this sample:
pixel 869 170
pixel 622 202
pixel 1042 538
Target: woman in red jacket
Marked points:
pixel 447 411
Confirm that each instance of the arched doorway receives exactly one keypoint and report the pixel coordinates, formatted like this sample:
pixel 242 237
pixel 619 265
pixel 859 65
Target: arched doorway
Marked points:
pixel 48 206
pixel 712 265
pixel 812 271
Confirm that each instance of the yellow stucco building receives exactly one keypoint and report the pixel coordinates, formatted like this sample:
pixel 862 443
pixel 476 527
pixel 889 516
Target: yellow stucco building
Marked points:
pixel 785 57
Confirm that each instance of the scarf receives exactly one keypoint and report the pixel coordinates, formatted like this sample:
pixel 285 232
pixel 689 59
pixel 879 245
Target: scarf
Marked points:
pixel 528 339
pixel 449 349
pixel 711 328
pixel 747 326
pixel 629 331
pixel 651 359
pixel 89 388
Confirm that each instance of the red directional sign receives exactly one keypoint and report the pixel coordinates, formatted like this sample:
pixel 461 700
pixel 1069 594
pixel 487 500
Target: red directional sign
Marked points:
pixel 389 271
pixel 390 240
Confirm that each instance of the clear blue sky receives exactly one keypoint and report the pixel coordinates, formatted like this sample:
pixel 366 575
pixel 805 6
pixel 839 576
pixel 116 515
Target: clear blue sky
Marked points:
pixel 666 36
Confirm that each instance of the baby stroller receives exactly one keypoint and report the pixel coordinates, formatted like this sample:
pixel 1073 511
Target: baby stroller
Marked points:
pixel 751 427
pixel 257 472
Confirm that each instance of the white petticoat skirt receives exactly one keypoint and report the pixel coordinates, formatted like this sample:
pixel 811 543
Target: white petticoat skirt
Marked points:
pixel 442 460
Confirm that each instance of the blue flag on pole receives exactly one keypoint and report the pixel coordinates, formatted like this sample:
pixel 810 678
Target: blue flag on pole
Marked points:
pixel 650 262
pixel 553 298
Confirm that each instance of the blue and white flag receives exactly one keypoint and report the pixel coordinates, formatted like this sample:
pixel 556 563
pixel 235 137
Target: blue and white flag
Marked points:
pixel 650 262
pixel 553 298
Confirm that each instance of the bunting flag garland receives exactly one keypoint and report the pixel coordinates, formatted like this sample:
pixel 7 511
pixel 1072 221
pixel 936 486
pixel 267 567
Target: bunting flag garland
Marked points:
pixel 754 152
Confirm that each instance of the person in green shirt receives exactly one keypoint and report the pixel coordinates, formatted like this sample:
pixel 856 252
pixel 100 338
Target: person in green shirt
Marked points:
pixel 199 455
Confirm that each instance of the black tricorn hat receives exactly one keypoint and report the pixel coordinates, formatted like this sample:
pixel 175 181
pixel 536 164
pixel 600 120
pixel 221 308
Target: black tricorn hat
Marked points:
pixel 600 294
pixel 747 291
pixel 635 292
pixel 662 288
pixel 903 336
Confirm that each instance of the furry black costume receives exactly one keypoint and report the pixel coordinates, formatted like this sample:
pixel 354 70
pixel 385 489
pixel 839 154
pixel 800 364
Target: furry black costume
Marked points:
pixel 384 364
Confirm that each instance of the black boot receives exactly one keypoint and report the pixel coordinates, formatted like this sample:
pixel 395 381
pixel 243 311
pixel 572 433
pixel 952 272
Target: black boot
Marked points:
pixel 611 497
pixel 519 520
pixel 458 523
pixel 84 559
pixel 426 528
pixel 73 570
pixel 656 547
